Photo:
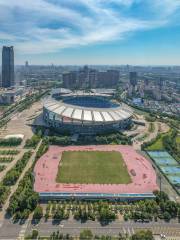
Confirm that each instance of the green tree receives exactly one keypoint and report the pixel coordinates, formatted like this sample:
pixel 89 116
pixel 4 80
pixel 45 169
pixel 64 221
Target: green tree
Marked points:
pixel 143 235
pixel 34 234
pixel 167 216
pixel 178 213
pixel 86 234
pixel 38 213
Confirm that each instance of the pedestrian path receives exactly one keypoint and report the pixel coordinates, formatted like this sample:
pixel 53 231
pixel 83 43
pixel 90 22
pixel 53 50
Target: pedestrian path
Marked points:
pixel 167 231
pixel 23 231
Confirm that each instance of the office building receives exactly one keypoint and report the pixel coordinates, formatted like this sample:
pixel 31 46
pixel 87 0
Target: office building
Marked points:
pixel 86 78
pixel 7 67
pixel 26 64
pixel 133 78
pixel 70 79
pixel 160 83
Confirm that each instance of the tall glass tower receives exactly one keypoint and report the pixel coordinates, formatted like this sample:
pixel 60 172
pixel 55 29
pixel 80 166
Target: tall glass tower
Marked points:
pixel 7 67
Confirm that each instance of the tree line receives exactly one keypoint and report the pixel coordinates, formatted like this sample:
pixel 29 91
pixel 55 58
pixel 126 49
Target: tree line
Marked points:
pixel 10 142
pixel 109 138
pixel 12 176
pixel 87 234
pixel 105 211
pixel 25 200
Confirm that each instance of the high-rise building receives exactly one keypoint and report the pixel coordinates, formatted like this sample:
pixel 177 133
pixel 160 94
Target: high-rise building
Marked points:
pixel 160 83
pixel 70 80
pixel 7 67
pixel 114 76
pixel 90 78
pixel 26 64
pixel 146 81
pixel 133 78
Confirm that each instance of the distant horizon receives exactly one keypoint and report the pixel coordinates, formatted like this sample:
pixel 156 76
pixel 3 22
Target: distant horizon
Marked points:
pixel 112 65
pixel 94 65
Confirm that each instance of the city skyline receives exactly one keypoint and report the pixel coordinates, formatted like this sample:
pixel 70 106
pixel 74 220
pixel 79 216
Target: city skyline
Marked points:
pixel 81 32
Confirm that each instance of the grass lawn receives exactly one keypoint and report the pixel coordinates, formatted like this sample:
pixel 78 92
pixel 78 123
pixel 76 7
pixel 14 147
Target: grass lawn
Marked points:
pixel 178 139
pixel 92 167
pixel 158 144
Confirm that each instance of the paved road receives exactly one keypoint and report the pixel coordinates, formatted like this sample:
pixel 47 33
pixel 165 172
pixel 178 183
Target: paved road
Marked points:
pixel 8 230
pixel 74 227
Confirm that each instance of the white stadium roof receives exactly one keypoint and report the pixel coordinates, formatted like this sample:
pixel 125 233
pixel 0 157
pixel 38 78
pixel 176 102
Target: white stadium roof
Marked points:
pixel 88 114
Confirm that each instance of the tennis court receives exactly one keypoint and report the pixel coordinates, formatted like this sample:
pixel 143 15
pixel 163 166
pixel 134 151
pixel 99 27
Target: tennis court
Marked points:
pixel 175 179
pixel 168 165
pixel 171 170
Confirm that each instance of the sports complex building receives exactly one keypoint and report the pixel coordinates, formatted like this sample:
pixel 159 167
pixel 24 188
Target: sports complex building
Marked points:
pixel 85 113
pixel 114 172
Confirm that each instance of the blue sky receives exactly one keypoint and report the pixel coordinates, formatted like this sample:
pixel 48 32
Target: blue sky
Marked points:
pixel 145 32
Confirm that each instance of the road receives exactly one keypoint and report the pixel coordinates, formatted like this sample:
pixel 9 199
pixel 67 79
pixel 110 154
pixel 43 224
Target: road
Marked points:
pixel 8 230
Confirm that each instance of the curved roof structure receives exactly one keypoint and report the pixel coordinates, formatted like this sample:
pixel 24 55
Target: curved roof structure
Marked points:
pixel 88 114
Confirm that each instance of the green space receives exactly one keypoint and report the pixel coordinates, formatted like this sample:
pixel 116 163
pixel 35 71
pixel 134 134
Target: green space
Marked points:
pixel 87 234
pixel 168 141
pixel 106 138
pixel 2 167
pixel 6 159
pixel 4 192
pixel 10 142
pixel 178 139
pixel 157 144
pixel 93 167
pixel 11 178
pixel 14 173
pixel 24 200
pixel 33 142
pixel 9 152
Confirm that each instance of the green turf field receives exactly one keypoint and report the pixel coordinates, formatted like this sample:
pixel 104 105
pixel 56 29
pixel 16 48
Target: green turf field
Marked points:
pixel 92 167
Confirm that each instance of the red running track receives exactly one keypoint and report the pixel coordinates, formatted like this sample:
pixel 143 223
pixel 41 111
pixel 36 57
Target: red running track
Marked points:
pixel 140 169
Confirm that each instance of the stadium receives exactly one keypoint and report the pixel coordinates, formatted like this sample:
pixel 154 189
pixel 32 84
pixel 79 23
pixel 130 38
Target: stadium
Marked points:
pixel 94 172
pixel 85 113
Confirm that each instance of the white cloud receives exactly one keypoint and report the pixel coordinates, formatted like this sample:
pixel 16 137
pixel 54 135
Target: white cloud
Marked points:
pixel 167 7
pixel 47 26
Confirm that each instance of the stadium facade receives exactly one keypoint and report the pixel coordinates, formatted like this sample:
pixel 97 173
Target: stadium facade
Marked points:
pixel 96 196
pixel 85 113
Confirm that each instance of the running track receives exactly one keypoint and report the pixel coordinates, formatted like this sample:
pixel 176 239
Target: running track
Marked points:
pixel 140 169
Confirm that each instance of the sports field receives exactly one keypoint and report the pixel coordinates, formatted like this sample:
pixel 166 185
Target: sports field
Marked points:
pixel 101 164
pixel 95 167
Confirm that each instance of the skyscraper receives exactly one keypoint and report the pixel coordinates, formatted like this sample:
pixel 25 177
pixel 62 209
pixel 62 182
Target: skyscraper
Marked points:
pixel 133 78
pixel 7 67
pixel 26 64
pixel 160 83
pixel 91 78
